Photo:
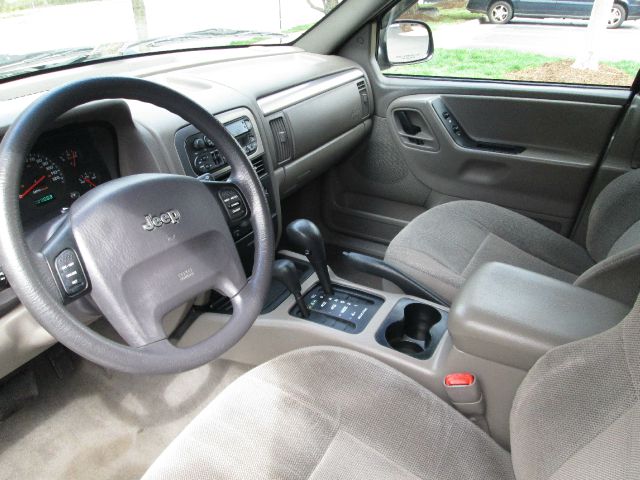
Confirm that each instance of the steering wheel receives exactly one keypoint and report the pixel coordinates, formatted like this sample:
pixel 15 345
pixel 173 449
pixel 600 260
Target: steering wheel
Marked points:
pixel 140 245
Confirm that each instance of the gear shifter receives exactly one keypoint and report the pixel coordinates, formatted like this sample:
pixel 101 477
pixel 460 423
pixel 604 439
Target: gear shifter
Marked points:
pixel 305 235
pixel 285 272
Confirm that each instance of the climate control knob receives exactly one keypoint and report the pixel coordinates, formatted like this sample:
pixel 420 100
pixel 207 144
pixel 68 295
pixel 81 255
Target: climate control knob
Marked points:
pixel 204 163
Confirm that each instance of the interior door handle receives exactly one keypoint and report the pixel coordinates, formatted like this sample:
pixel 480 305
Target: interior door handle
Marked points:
pixel 406 124
pixel 413 130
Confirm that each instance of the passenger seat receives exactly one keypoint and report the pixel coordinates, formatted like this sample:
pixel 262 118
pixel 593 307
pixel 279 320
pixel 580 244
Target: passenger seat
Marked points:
pixel 442 247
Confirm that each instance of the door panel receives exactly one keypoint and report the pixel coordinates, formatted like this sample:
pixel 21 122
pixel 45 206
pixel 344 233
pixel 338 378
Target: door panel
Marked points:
pixel 560 145
pixel 556 146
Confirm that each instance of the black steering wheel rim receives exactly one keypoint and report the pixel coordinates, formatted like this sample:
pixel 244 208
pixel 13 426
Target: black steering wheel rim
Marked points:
pixel 28 273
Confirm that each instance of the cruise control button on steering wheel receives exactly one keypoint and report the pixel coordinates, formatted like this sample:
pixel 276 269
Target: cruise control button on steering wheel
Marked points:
pixel 70 273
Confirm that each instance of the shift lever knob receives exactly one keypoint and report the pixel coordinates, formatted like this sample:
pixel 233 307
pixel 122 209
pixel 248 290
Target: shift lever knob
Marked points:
pixel 305 235
pixel 285 271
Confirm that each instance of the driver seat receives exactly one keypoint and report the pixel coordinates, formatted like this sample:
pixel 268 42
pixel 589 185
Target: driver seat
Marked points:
pixel 326 412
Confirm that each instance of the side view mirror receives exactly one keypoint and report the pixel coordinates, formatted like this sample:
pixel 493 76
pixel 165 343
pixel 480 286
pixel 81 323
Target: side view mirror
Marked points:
pixel 407 42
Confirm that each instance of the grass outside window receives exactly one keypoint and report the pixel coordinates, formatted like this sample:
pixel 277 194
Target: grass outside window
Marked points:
pixel 503 64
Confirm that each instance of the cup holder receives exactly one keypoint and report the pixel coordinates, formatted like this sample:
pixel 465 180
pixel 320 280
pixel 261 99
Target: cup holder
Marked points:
pixel 412 334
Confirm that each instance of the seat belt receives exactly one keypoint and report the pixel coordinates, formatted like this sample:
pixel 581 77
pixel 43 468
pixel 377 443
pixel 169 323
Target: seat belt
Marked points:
pixel 466 396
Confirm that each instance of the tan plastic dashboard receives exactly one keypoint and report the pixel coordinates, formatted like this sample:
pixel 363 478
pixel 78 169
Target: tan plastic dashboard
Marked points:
pixel 273 83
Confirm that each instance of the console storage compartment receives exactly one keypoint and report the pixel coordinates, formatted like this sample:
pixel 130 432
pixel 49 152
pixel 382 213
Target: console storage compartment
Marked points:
pixel 514 316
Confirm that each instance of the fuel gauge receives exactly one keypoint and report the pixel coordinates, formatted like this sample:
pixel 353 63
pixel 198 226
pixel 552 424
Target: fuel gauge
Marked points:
pixel 88 180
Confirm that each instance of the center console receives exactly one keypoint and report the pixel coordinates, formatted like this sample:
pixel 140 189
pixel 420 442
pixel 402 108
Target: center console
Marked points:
pixel 200 157
pixel 345 308
pixel 503 320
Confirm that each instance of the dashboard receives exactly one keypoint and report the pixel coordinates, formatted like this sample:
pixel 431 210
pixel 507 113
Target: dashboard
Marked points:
pixel 62 166
pixel 302 114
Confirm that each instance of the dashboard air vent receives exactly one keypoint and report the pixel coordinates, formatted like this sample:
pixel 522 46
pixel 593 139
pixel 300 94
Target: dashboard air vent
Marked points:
pixel 364 98
pixel 258 166
pixel 282 140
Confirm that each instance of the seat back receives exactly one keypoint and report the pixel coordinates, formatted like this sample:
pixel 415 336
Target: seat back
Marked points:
pixel 613 240
pixel 577 413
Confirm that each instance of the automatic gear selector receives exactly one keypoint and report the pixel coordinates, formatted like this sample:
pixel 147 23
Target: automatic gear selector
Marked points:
pixel 306 236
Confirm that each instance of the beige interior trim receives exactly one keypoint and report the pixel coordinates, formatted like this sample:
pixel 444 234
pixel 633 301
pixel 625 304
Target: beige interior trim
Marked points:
pixel 278 332
pixel 281 100
pixel 21 339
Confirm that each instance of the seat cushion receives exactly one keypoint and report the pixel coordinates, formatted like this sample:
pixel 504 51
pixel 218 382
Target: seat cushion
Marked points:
pixel 326 412
pixel 576 415
pixel 442 247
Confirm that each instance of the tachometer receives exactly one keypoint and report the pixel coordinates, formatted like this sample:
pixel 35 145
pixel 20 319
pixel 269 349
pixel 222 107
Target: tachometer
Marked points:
pixel 42 187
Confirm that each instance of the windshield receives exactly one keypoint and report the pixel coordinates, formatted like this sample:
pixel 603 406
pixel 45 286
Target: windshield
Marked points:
pixel 37 35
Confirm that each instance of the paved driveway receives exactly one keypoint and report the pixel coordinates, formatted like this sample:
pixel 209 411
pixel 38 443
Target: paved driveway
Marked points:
pixel 559 38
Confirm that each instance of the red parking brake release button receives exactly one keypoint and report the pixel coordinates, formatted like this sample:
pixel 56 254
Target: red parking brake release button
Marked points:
pixel 459 379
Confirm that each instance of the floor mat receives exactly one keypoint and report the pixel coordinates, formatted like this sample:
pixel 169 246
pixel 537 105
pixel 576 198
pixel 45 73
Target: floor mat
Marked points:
pixel 100 424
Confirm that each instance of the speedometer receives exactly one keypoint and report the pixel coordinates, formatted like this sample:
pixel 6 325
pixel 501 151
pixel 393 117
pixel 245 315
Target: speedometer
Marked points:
pixel 43 186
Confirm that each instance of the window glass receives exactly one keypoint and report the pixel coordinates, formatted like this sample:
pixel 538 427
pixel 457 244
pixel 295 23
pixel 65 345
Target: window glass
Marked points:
pixel 40 34
pixel 535 40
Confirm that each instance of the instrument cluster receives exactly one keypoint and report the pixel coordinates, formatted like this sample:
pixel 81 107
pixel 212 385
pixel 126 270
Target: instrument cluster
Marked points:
pixel 61 168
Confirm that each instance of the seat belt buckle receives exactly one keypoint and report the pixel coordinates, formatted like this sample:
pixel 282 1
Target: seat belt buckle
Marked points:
pixel 465 394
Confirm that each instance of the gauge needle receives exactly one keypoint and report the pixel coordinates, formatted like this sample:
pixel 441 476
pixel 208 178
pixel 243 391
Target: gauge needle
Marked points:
pixel 35 184
pixel 88 180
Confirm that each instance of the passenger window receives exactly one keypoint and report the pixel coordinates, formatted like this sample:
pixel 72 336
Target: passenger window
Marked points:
pixel 549 41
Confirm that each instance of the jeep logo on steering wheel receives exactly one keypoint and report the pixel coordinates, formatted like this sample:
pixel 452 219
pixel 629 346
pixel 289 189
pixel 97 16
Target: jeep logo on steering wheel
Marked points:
pixel 153 222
